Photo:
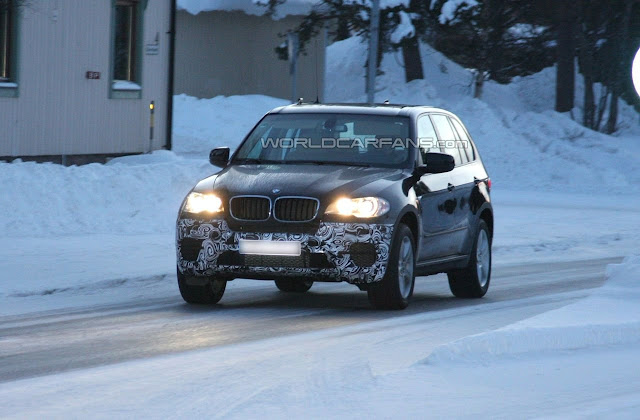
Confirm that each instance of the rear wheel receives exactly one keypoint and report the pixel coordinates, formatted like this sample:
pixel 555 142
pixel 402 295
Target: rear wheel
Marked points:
pixel 473 280
pixel 294 285
pixel 396 287
pixel 201 289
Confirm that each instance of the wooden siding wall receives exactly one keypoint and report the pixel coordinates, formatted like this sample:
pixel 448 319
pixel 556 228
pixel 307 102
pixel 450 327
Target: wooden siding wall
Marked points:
pixel 60 112
pixel 232 53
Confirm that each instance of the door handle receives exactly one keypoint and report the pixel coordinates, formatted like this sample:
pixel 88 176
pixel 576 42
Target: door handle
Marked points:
pixel 451 187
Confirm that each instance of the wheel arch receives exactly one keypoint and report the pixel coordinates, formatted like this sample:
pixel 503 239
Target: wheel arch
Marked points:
pixel 486 214
pixel 411 220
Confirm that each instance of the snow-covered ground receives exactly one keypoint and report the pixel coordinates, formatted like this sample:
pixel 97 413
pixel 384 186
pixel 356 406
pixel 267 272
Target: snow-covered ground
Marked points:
pixel 132 262
pixel 574 361
pixel 103 234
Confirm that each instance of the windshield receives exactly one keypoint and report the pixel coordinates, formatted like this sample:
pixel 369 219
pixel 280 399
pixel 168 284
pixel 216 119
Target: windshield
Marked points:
pixel 343 139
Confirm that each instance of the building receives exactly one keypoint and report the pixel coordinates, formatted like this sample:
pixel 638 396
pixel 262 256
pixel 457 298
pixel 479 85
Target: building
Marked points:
pixel 78 77
pixel 226 47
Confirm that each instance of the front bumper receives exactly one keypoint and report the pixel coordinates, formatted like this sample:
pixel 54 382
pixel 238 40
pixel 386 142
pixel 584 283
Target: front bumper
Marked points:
pixel 351 252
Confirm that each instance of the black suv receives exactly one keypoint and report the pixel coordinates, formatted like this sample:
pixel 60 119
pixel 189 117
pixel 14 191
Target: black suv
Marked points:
pixel 371 195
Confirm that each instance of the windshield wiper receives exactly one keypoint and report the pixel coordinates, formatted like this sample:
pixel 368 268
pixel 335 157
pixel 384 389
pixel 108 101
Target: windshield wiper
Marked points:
pixel 253 161
pixel 324 162
pixel 364 165
pixel 311 162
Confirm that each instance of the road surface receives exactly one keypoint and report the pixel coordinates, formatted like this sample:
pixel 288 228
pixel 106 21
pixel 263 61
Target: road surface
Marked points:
pixel 50 342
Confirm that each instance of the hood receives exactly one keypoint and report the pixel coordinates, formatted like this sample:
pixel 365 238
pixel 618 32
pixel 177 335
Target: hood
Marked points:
pixel 301 180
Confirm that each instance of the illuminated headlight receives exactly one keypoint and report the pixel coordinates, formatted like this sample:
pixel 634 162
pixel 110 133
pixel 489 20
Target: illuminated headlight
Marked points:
pixel 359 207
pixel 202 203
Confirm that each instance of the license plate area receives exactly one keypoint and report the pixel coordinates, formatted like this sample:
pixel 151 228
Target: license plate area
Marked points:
pixel 278 248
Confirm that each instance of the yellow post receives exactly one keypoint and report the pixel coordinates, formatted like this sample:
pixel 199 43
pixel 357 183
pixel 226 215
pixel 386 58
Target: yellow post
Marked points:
pixel 152 108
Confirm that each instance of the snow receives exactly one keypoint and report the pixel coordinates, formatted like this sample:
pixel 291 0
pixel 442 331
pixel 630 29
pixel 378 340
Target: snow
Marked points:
pixel 84 236
pixel 384 4
pixel 8 85
pixel 125 85
pixel 450 7
pixel 375 368
pixel 524 30
pixel 203 124
pixel 404 30
pixel 125 196
pixel 610 316
pixel 549 182
pixel 251 7
pixel 523 142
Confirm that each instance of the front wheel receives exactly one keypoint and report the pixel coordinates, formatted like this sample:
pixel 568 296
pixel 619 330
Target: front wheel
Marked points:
pixel 294 285
pixel 473 280
pixel 396 287
pixel 206 290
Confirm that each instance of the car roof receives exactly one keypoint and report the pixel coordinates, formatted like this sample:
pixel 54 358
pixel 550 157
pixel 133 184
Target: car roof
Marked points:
pixel 356 108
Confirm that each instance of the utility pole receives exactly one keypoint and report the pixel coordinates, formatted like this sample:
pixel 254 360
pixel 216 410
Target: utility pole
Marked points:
pixel 373 50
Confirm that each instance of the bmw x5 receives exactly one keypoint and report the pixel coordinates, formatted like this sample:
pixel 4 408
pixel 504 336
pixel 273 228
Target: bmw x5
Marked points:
pixel 369 195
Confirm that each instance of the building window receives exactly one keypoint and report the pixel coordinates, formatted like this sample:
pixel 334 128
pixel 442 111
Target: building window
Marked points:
pixel 126 71
pixel 124 67
pixel 6 35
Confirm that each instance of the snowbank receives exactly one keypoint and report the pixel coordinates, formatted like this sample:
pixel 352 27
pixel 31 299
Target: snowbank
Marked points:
pixel 133 194
pixel 610 316
pixel 202 124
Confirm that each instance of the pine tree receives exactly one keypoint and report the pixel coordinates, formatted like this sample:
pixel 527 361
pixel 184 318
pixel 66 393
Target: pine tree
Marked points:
pixel 498 39
pixel 346 18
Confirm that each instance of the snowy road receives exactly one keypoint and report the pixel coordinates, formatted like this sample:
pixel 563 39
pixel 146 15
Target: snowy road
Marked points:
pixel 43 343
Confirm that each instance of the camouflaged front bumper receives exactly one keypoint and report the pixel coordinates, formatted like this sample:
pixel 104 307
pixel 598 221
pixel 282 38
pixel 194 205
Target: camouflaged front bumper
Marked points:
pixel 351 252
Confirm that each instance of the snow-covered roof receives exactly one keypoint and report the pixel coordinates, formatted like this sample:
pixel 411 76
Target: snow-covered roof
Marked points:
pixel 290 7
pixel 250 7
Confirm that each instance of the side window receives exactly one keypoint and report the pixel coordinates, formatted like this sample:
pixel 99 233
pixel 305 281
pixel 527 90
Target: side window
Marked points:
pixel 427 138
pixel 447 136
pixel 459 145
pixel 465 138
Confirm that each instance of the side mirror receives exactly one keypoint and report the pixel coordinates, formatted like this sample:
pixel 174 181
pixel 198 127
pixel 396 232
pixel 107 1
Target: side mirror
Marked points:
pixel 220 157
pixel 436 163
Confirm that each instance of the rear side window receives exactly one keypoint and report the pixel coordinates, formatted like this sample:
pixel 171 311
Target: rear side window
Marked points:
pixel 447 136
pixel 465 138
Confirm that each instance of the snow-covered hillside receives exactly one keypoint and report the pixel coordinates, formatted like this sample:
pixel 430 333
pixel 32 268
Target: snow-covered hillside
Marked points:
pixel 524 144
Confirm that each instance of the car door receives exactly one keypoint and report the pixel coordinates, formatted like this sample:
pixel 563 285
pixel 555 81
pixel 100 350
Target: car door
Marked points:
pixel 463 182
pixel 465 179
pixel 433 191
pixel 457 199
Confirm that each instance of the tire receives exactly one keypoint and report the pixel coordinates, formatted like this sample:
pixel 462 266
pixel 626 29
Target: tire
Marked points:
pixel 473 280
pixel 396 288
pixel 208 293
pixel 294 285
